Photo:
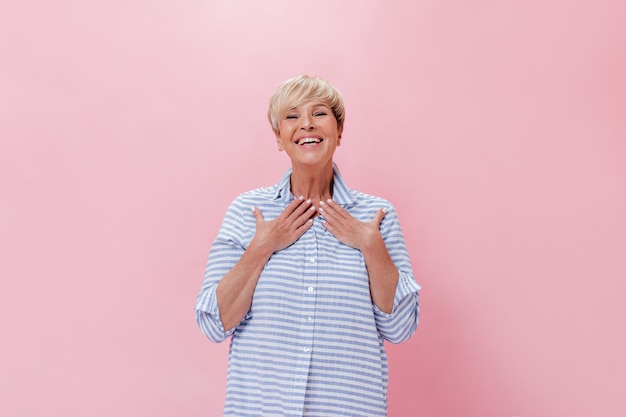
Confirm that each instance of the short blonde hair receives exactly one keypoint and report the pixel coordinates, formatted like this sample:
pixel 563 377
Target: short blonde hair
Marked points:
pixel 300 89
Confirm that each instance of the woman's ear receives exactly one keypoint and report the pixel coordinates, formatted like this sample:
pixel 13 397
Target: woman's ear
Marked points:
pixel 279 143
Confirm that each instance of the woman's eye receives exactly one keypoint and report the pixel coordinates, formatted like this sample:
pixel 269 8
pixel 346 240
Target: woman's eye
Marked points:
pixel 291 116
pixel 319 113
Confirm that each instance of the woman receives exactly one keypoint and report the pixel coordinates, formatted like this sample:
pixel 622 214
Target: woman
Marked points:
pixel 308 277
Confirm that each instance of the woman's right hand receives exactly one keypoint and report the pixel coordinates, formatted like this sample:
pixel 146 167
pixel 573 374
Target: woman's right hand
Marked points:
pixel 277 234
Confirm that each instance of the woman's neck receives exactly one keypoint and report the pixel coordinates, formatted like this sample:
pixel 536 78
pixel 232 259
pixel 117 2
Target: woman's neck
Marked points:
pixel 314 185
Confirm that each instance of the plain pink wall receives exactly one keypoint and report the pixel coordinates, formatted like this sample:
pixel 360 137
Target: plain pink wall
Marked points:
pixel 497 128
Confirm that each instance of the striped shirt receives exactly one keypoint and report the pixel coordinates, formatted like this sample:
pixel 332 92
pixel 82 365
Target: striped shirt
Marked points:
pixel 312 341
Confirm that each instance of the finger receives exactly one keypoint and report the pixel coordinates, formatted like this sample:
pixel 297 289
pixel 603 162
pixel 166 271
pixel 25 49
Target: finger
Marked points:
pixel 379 216
pixel 329 226
pixel 336 209
pixel 328 213
pixel 335 214
pixel 258 215
pixel 300 206
pixel 303 213
pixel 291 207
pixel 302 218
pixel 304 227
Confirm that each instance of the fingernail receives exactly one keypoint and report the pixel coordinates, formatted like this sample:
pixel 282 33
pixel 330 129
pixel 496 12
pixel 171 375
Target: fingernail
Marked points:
pixel 330 200
pixel 252 209
pixel 312 208
pixel 321 203
pixel 301 198
pixel 308 201
pixel 321 210
pixel 385 210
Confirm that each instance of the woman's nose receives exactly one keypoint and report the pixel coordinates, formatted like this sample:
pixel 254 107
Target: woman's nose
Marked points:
pixel 307 123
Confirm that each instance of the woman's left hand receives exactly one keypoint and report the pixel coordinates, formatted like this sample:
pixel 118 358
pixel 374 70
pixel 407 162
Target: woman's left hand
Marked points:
pixel 348 230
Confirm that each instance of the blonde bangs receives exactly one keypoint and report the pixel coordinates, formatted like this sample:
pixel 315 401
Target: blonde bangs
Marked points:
pixel 301 89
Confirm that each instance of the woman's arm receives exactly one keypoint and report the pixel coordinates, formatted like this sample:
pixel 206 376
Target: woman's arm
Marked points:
pixel 366 237
pixel 235 290
pixel 393 289
pixel 382 272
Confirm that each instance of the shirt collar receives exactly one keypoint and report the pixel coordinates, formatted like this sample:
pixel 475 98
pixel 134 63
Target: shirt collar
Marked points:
pixel 341 193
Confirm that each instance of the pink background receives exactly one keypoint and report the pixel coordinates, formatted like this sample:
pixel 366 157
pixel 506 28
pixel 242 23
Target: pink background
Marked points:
pixel 497 128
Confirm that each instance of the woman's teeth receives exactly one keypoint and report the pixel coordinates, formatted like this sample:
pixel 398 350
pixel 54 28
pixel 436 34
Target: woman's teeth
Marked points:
pixel 305 141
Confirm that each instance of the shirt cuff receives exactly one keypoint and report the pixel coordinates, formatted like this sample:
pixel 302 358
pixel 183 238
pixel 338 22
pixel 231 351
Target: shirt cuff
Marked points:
pixel 207 303
pixel 406 287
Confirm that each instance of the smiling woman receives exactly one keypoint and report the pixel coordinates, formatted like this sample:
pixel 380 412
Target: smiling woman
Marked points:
pixel 309 134
pixel 308 277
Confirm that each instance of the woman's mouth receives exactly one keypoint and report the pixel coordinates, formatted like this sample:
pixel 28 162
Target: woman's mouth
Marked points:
pixel 307 141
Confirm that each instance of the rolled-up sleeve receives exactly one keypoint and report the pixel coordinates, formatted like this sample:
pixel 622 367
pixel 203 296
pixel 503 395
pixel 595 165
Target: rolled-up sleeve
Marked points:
pixel 208 315
pixel 226 251
pixel 401 323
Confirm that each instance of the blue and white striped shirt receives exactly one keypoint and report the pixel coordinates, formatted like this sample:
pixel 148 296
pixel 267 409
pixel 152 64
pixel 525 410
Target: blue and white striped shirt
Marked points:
pixel 312 342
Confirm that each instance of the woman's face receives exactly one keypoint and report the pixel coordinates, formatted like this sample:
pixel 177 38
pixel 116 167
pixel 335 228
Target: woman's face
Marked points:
pixel 309 134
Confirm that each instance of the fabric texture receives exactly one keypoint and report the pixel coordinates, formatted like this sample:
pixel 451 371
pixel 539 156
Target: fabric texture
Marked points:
pixel 312 343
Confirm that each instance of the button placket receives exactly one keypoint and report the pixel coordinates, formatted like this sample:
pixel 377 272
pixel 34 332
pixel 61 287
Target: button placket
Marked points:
pixel 307 307
pixel 310 280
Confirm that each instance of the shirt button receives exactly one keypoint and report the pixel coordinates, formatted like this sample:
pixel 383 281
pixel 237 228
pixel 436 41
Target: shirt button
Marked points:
pixel 309 318
pixel 312 260
pixel 306 349
pixel 310 289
